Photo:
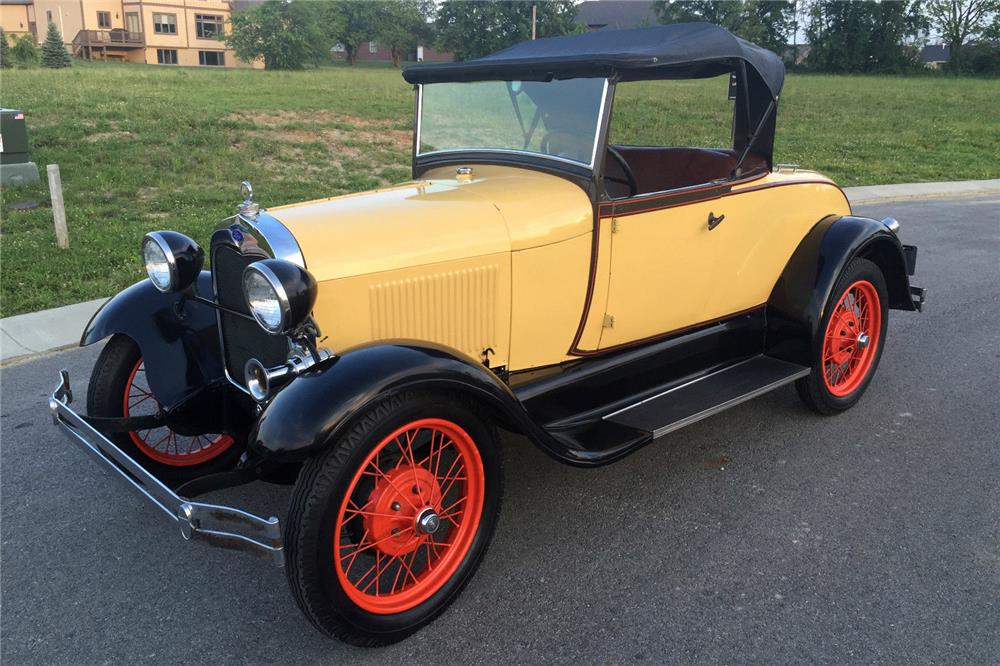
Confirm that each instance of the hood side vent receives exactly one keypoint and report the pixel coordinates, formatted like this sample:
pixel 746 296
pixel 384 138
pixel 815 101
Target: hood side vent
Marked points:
pixel 457 309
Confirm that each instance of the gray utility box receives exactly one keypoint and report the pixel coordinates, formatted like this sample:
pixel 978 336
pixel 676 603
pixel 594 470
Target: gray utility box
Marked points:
pixel 15 167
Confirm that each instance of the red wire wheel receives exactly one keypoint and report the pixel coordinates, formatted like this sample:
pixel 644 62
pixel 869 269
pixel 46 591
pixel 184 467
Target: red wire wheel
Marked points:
pixel 409 516
pixel 163 444
pixel 851 340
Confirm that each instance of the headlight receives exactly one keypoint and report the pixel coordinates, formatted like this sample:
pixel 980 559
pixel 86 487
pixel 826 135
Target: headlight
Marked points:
pixel 172 260
pixel 280 295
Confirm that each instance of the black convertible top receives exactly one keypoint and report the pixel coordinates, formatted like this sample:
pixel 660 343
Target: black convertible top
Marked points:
pixel 677 51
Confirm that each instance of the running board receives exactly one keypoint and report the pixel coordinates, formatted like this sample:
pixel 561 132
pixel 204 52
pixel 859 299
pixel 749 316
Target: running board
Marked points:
pixel 708 395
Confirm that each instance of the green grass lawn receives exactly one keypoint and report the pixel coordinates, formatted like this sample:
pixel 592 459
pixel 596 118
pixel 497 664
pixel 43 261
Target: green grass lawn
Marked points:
pixel 146 147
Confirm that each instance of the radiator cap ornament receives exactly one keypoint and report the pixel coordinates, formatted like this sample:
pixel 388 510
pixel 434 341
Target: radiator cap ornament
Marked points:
pixel 248 208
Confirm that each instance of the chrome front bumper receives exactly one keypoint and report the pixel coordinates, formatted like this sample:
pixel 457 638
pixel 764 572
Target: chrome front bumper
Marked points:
pixel 220 526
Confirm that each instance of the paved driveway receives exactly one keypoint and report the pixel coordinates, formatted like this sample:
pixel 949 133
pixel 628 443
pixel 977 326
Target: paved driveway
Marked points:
pixel 765 534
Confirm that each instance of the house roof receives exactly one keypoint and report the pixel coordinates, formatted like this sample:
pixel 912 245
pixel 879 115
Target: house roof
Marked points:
pixel 935 53
pixel 615 14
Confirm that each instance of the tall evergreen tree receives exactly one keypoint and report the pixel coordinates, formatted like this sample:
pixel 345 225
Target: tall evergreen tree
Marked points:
pixel 4 54
pixel 54 54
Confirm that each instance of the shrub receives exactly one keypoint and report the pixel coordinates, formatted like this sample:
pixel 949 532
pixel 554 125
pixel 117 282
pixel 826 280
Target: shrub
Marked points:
pixel 24 53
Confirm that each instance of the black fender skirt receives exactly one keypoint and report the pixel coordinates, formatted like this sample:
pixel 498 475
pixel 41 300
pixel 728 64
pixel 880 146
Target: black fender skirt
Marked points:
pixel 796 305
pixel 319 405
pixel 177 335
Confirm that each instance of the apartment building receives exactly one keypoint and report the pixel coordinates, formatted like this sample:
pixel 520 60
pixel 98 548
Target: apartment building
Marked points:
pixel 164 32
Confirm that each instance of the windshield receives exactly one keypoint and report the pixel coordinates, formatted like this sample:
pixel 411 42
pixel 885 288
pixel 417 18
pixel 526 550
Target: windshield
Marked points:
pixel 558 119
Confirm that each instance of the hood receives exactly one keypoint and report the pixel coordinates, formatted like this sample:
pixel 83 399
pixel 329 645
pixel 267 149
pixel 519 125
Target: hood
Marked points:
pixel 442 218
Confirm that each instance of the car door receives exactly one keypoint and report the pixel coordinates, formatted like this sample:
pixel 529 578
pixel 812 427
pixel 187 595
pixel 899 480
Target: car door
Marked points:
pixel 663 268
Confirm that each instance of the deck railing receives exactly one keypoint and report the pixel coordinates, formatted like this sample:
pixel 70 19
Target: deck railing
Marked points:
pixel 117 37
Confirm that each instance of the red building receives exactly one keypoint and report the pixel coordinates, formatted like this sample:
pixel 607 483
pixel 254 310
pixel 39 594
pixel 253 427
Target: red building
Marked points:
pixel 372 50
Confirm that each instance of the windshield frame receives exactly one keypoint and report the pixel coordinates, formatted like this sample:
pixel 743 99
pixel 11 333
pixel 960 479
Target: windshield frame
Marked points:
pixel 532 155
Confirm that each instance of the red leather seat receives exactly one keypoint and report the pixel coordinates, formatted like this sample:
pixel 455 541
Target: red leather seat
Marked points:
pixel 657 169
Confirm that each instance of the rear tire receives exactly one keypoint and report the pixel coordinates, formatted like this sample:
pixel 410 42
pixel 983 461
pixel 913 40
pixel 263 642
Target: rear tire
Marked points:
pixel 115 386
pixel 851 339
pixel 361 563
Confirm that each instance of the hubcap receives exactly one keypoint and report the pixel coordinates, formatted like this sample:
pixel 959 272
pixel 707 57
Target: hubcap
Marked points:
pixel 428 521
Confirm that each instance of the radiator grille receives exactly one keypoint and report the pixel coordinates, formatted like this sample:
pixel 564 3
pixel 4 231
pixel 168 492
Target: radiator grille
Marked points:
pixel 455 308
pixel 242 339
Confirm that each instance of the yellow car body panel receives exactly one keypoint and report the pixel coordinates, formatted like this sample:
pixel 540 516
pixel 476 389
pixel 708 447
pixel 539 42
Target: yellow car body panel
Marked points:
pixel 380 277
pixel 669 271
pixel 512 274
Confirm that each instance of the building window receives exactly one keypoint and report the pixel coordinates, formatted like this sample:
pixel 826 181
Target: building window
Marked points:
pixel 165 24
pixel 166 56
pixel 208 27
pixel 212 58
pixel 48 16
pixel 104 20
pixel 372 47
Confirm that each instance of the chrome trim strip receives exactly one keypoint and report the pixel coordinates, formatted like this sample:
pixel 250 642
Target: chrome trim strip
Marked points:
pixel 715 409
pixel 275 237
pixel 504 151
pixel 218 525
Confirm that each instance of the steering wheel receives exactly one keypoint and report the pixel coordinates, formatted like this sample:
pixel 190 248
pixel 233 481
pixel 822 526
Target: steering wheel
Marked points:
pixel 629 179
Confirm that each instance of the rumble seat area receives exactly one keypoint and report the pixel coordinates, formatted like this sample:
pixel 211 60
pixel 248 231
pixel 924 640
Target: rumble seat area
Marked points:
pixel 658 169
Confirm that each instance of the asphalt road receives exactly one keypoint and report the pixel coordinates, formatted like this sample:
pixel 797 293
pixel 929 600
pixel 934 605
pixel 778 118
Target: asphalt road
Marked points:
pixel 765 534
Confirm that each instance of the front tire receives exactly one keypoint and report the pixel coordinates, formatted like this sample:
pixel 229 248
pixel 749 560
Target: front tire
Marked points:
pixel 118 389
pixel 852 336
pixel 389 524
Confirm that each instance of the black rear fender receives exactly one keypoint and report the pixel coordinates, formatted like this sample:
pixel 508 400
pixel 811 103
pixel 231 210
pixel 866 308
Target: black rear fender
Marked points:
pixel 796 306
pixel 178 337
pixel 318 406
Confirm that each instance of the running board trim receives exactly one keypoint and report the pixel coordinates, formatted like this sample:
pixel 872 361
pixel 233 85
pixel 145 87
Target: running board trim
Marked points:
pixel 643 415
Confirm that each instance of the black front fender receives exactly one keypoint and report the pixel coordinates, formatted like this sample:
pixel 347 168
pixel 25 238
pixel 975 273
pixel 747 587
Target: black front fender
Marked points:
pixel 317 406
pixel 797 303
pixel 177 335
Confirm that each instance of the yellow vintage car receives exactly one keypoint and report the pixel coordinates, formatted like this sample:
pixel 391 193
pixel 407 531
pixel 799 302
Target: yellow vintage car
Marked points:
pixel 533 276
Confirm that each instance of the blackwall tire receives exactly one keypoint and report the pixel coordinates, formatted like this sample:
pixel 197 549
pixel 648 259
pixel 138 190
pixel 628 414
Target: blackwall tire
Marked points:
pixel 363 499
pixel 844 362
pixel 113 378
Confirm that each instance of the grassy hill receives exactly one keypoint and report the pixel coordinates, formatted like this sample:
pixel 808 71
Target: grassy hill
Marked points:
pixel 146 147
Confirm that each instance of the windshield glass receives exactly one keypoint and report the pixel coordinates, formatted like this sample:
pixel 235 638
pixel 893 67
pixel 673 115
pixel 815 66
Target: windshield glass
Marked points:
pixel 556 118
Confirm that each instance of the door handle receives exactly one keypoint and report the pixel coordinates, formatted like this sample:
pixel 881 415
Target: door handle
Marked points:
pixel 714 221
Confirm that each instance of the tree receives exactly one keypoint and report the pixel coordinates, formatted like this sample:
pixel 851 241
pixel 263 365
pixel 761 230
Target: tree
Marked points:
pixel 287 35
pixel 475 29
pixel 24 52
pixel 765 22
pixel 54 54
pixel 357 21
pixel 864 36
pixel 4 54
pixel 960 21
pixel 404 24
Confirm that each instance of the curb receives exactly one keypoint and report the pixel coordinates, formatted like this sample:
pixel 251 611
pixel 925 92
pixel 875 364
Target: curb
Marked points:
pixel 869 194
pixel 26 335
pixel 47 330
